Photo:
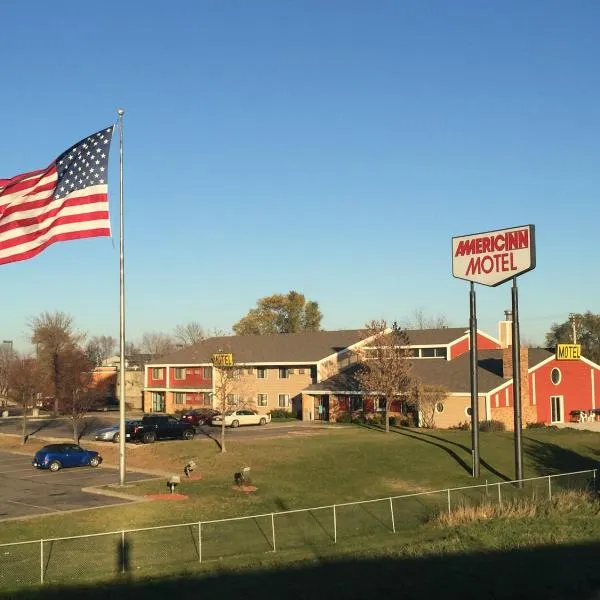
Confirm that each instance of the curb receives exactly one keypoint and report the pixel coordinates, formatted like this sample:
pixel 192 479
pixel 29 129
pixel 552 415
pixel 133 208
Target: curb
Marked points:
pixel 114 494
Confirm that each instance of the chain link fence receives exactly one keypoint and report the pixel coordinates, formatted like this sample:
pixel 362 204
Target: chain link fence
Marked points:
pixel 97 557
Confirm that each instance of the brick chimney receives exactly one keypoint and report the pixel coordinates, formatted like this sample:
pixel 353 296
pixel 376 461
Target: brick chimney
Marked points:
pixel 507 371
pixel 505 330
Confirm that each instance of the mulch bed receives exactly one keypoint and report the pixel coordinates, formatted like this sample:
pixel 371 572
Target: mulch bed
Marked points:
pixel 244 488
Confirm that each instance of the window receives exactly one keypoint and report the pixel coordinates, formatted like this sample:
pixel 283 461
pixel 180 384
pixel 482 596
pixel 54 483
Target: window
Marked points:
pixel 555 376
pixel 427 352
pixel 261 373
pixel 206 372
pixel 233 399
pixel 380 404
pixel 207 399
pixel 262 400
pixel 196 371
pixel 283 373
pixel 188 371
pixel 250 371
pixel 179 397
pixel 556 409
pixel 439 407
pixel 290 371
pixel 157 373
pixel 356 403
pixel 441 352
pixel 179 373
pixel 301 371
pixel 284 400
pixel 468 411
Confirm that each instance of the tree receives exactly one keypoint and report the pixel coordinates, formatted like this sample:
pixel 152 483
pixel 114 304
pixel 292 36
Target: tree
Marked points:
pixel 157 343
pixel 228 388
pixel 420 320
pixel 280 313
pixel 189 334
pixel 99 348
pixel 587 333
pixel 6 357
pixel 24 384
pixel 53 334
pixel 426 399
pixel 384 366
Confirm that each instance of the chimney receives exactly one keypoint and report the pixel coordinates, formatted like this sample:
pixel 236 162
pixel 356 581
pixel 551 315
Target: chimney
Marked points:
pixel 507 370
pixel 505 330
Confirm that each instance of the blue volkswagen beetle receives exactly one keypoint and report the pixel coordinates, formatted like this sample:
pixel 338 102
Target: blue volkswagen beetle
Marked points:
pixel 57 456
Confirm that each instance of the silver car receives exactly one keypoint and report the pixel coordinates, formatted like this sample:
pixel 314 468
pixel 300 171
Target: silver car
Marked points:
pixel 111 432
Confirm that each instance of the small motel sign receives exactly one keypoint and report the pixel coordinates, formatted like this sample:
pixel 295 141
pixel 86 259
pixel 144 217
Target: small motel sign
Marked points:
pixel 568 351
pixel 222 360
pixel 493 257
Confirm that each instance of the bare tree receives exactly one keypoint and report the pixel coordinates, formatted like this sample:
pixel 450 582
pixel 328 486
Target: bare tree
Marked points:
pixel 229 389
pixel 384 365
pixel 24 381
pixel 157 343
pixel 189 334
pixel 427 400
pixel 53 334
pixel 420 320
pixel 99 348
pixel 7 355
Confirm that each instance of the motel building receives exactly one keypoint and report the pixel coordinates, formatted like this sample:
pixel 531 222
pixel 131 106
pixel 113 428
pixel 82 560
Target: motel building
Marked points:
pixel 311 375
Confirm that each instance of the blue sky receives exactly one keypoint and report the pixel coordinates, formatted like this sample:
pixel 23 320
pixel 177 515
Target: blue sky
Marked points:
pixel 331 147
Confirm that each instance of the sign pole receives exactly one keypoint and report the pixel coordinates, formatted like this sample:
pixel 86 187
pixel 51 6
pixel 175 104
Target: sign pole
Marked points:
pixel 474 383
pixel 516 360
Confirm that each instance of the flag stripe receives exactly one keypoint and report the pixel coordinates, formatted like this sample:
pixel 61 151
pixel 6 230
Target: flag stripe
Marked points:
pixel 67 200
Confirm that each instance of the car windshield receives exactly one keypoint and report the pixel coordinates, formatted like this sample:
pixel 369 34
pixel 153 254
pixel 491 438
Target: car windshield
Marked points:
pixel 229 413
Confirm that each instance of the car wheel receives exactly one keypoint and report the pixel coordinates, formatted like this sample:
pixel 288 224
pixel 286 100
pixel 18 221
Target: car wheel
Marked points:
pixel 54 466
pixel 188 434
pixel 149 438
pixel 94 461
pixel 235 423
pixel 116 438
pixel 263 421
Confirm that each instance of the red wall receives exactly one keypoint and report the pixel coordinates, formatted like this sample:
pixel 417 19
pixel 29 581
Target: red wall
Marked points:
pixel 575 387
pixel 192 380
pixel 483 343
pixel 156 382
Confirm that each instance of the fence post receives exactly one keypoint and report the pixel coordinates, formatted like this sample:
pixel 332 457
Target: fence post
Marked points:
pixel 549 488
pixel 449 508
pixel 122 551
pixel 334 526
pixel 199 541
pixel 392 512
pixel 499 496
pixel 594 472
pixel 41 561
pixel 273 530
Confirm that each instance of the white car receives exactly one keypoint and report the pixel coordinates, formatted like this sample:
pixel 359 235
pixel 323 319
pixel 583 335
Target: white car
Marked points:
pixel 235 418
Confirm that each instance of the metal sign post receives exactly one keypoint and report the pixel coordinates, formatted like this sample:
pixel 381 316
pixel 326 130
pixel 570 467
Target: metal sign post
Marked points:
pixel 516 360
pixel 474 384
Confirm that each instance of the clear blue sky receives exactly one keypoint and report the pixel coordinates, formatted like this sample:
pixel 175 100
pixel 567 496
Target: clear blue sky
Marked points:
pixel 331 147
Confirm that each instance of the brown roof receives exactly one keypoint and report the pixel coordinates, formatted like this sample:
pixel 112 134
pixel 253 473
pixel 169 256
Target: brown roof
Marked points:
pixel 454 374
pixel 307 347
pixel 442 336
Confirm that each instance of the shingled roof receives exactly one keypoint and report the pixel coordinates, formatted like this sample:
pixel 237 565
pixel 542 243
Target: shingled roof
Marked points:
pixel 305 347
pixel 454 375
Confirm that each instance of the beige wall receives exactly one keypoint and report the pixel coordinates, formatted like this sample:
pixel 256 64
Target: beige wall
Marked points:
pixel 455 411
pixel 134 386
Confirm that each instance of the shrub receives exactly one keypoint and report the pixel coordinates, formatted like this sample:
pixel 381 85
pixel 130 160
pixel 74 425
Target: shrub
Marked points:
pixel 492 426
pixel 537 425
pixel 344 417
pixel 463 426
pixel 359 419
pixel 376 420
pixel 281 413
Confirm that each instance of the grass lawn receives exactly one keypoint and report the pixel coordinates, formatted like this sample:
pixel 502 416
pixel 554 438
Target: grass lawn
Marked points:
pixel 303 470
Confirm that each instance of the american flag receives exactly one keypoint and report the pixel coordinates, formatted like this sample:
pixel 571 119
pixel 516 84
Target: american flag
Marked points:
pixel 67 200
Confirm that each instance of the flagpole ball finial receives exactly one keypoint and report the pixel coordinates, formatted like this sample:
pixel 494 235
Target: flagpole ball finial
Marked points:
pixel 120 112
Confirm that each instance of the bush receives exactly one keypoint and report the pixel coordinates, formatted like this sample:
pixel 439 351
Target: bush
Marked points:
pixel 344 417
pixel 536 425
pixel 359 419
pixel 492 426
pixel 281 413
pixel 463 426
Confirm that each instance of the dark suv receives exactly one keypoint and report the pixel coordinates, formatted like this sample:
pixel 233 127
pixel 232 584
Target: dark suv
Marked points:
pixel 160 427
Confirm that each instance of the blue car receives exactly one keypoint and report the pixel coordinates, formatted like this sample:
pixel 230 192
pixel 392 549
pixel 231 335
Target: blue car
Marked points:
pixel 57 456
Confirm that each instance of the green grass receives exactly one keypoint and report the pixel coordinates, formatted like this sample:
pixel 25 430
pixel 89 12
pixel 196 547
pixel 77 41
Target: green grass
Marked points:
pixel 293 472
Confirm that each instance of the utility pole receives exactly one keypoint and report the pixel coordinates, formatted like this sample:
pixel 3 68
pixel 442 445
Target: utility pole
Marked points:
pixel 573 327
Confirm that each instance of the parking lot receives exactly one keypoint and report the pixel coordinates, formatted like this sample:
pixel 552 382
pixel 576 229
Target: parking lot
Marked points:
pixel 26 491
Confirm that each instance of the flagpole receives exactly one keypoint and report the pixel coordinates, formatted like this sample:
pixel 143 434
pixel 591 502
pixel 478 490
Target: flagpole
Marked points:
pixel 120 112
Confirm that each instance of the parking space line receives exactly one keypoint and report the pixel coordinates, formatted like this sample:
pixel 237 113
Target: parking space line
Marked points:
pixel 32 505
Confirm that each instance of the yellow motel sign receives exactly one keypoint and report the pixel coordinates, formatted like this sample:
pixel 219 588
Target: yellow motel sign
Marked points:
pixel 222 360
pixel 568 351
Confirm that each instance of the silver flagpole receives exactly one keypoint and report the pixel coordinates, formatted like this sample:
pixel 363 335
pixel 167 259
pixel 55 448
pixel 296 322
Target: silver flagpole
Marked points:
pixel 120 112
